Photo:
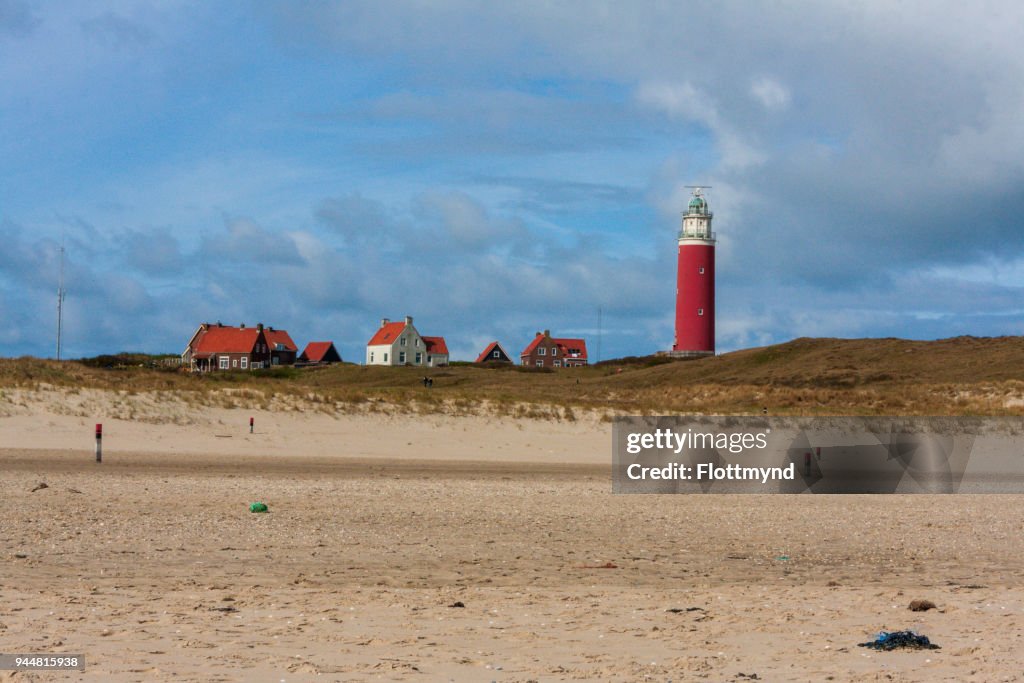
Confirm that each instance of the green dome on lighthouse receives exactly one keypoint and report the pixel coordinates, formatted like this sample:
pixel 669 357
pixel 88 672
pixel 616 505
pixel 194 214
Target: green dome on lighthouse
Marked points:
pixel 698 205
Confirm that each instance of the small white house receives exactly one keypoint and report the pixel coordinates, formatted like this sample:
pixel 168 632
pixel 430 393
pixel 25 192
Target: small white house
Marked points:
pixel 400 344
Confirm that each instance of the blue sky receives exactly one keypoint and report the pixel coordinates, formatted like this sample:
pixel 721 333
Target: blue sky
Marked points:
pixel 494 171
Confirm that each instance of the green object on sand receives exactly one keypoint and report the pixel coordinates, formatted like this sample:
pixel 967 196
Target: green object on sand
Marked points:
pixel 258 507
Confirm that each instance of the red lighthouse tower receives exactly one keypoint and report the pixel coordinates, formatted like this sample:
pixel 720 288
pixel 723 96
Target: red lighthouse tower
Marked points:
pixel 695 283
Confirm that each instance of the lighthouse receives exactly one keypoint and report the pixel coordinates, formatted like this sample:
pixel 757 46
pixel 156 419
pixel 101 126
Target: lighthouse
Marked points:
pixel 695 281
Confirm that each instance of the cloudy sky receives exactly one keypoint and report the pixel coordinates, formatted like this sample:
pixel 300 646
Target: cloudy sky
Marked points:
pixel 496 169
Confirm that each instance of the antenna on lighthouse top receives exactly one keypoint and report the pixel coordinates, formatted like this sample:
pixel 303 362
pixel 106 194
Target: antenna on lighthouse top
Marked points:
pixel 698 194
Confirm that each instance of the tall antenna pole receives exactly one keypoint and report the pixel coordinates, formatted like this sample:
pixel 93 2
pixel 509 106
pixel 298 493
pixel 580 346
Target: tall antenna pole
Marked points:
pixel 60 300
pixel 598 334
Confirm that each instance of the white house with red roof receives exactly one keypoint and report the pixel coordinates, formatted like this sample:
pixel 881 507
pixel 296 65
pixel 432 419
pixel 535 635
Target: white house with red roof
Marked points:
pixel 546 351
pixel 399 343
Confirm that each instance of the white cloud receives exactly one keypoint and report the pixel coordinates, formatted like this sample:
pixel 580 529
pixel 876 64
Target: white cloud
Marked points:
pixel 685 102
pixel 770 93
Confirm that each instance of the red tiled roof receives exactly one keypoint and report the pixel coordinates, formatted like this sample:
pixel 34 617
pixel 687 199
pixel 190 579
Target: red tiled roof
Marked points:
pixel 435 345
pixel 314 351
pixel 486 354
pixel 532 345
pixel 275 337
pixel 387 334
pixel 563 344
pixel 218 339
pixel 566 345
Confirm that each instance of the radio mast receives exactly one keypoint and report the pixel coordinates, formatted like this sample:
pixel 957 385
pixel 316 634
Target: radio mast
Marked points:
pixel 60 300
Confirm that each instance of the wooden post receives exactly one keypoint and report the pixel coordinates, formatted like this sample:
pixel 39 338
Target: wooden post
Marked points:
pixel 252 421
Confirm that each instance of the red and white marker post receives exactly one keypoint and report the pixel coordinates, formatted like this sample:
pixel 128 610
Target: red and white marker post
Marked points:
pixel 99 442
pixel 252 421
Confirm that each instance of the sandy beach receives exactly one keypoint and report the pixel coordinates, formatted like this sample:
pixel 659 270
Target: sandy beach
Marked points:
pixel 433 548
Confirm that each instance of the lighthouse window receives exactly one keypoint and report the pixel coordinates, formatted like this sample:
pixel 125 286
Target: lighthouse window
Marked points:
pixel 701 270
pixel 700 311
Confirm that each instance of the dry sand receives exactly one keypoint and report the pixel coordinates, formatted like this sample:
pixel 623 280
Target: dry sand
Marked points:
pixel 151 564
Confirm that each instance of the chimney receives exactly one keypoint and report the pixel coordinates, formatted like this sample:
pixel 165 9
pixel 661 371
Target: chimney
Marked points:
pixel 547 333
pixel 218 324
pixel 408 320
pixel 384 321
pixel 241 326
pixel 259 326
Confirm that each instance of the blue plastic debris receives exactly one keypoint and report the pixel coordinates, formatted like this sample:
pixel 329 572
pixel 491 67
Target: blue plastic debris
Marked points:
pixel 892 640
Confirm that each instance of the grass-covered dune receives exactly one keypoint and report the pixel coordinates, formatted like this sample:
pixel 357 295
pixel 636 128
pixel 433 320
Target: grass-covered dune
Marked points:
pixel 963 375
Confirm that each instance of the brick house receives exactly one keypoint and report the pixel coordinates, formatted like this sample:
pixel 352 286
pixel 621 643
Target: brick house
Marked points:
pixel 214 346
pixel 546 351
pixel 283 350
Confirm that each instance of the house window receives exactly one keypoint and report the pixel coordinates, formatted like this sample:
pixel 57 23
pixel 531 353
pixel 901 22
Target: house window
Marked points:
pixel 371 356
pixel 419 358
pixel 558 364
pixel 417 342
pixel 700 311
pixel 245 362
pixel 275 360
pixel 225 362
pixel 701 270
pixel 541 351
pixel 540 362
pixel 403 341
pixel 554 351
pixel 430 360
pixel 401 357
pixel 385 357
pixel 234 363
pixel 496 354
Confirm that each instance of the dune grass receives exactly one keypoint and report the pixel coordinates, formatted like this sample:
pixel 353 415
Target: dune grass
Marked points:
pixel 964 375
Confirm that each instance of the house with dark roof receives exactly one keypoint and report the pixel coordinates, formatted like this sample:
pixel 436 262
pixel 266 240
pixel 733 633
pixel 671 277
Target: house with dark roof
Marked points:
pixel 320 353
pixel 494 353
pixel 214 346
pixel 399 343
pixel 546 351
